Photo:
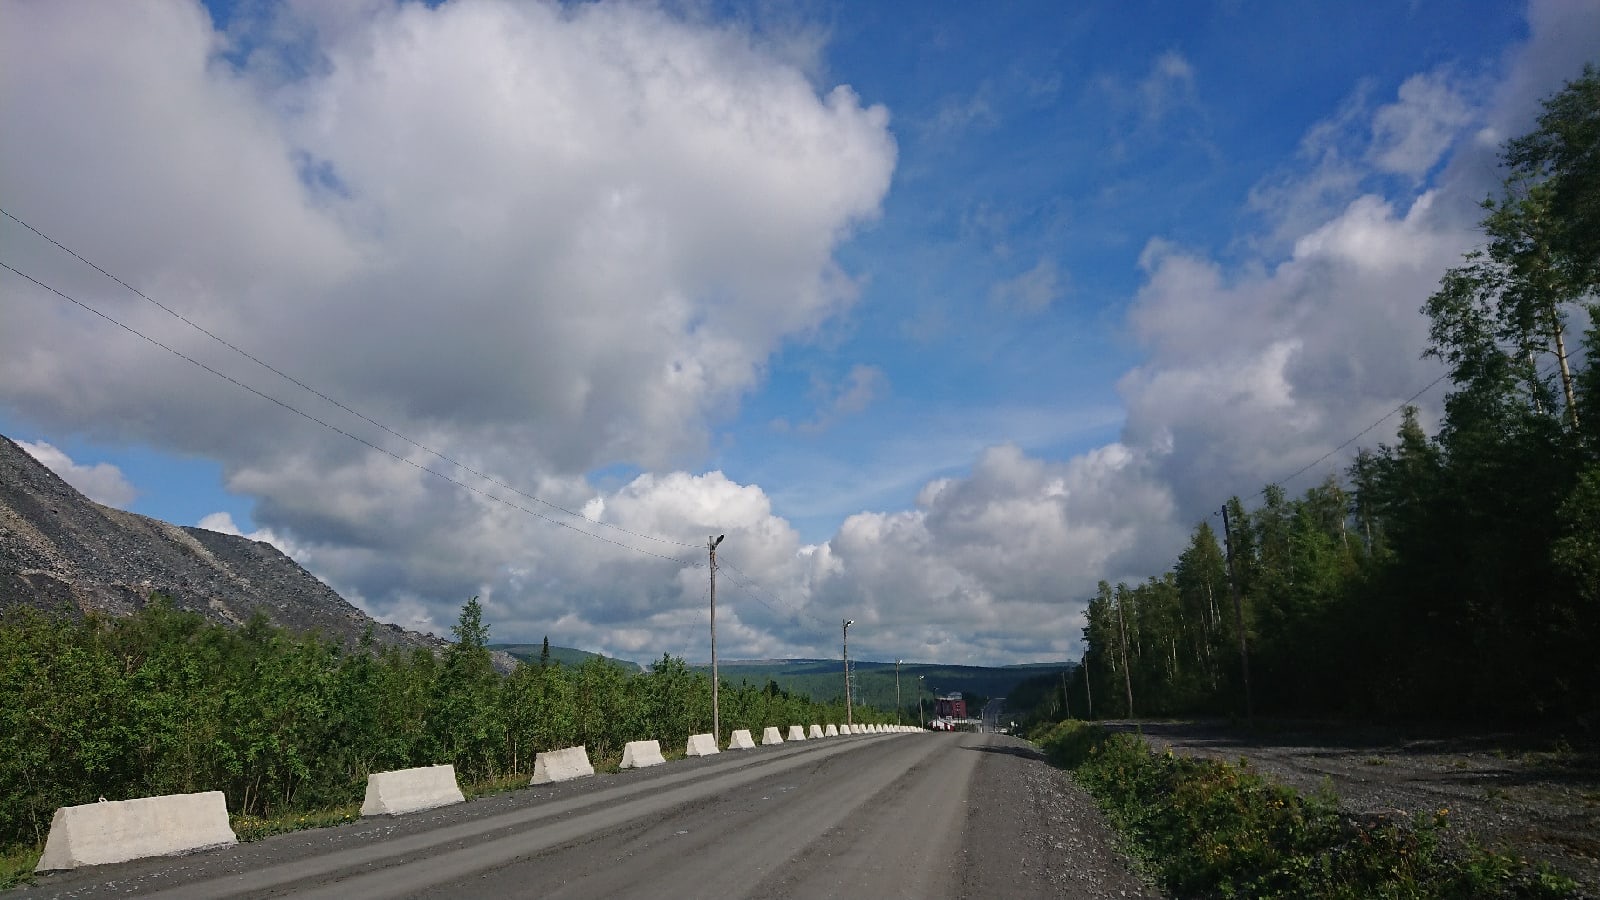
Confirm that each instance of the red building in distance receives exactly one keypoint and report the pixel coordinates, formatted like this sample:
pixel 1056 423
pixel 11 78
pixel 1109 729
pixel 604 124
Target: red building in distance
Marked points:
pixel 950 706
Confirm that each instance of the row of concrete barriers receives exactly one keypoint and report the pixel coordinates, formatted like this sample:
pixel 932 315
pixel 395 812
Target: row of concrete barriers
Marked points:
pixel 116 831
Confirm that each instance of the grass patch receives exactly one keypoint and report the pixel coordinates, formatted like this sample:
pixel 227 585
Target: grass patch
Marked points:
pixel 500 785
pixel 17 862
pixel 254 828
pixel 1210 829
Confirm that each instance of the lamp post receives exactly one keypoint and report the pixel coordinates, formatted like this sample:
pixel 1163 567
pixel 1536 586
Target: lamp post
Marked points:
pixel 848 706
pixel 897 690
pixel 716 708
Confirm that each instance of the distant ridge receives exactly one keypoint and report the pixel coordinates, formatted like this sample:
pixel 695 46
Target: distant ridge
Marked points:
pixel 61 550
pixel 567 656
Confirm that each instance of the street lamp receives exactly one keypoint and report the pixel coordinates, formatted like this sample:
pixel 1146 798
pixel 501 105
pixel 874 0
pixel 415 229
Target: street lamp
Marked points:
pixel 716 707
pixel 897 690
pixel 848 710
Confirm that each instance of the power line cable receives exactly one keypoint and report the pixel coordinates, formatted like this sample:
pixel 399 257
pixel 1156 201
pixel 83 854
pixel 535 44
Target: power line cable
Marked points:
pixel 308 388
pixel 799 613
pixel 1303 469
pixel 336 429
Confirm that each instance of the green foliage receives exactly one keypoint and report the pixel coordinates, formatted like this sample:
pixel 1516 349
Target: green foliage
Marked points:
pixel 289 727
pixel 1217 830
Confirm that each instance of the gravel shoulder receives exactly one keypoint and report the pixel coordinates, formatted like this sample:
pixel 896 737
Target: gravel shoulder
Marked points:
pixel 1529 795
pixel 1033 832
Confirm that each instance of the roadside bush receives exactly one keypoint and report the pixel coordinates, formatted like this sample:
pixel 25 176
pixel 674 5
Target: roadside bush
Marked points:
pixel 1211 829
pixel 289 727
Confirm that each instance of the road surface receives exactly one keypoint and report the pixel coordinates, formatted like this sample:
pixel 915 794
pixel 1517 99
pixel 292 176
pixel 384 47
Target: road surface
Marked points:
pixel 900 815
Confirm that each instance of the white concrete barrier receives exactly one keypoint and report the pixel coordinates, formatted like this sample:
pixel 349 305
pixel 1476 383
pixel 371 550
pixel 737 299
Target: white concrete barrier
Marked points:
pixel 639 754
pixel 701 745
pixel 741 740
pixel 816 731
pixel 831 731
pixel 561 765
pixel 796 733
pixel 408 790
pixel 109 832
pixel 857 729
pixel 770 736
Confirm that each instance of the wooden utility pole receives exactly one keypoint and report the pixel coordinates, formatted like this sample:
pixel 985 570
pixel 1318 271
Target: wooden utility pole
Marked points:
pixel 1238 612
pixel 1127 674
pixel 849 706
pixel 716 708
pixel 1066 704
pixel 897 690
pixel 1087 690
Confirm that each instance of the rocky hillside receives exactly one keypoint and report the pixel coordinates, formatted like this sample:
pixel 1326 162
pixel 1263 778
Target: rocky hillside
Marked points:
pixel 59 549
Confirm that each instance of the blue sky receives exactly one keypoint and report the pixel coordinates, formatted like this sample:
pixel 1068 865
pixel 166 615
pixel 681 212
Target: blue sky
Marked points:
pixel 942 312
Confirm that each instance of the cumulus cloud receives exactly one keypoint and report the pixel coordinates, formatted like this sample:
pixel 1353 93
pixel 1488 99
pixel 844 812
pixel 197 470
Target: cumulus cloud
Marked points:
pixel 536 239
pixel 101 482
pixel 549 240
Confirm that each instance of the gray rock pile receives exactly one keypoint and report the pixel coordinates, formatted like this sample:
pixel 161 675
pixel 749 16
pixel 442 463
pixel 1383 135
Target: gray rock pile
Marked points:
pixel 59 550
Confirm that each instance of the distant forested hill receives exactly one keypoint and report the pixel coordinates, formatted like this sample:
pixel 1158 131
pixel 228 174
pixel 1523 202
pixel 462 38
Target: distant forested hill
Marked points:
pixel 823 679
pixel 567 656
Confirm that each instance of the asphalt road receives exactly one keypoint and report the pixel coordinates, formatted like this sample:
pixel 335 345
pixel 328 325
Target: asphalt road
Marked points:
pixel 904 815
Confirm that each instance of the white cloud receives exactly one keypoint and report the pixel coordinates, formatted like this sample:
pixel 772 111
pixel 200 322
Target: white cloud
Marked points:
pixel 101 482
pixel 1168 86
pixel 539 239
pixel 547 240
pixel 1033 291
pixel 858 390
pixel 1410 135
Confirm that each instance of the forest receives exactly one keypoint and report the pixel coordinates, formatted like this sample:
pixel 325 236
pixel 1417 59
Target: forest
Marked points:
pixel 1453 576
pixel 165 703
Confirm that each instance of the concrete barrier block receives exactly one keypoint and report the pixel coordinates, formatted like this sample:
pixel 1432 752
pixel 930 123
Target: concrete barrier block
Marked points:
pixel 741 740
pixel 796 733
pixel 110 832
pixel 561 765
pixel 831 731
pixel 816 731
pixel 639 754
pixel 409 790
pixel 770 736
pixel 701 745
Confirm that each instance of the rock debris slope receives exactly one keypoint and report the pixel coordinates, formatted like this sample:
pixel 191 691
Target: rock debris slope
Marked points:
pixel 59 549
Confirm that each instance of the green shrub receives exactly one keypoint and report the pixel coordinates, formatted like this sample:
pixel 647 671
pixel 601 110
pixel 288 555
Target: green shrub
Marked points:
pixel 1211 829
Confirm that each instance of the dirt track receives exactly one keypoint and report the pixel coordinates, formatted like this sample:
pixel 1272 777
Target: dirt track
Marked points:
pixel 1535 797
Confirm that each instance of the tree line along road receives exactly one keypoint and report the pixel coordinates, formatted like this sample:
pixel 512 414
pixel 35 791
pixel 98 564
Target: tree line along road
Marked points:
pixel 900 815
